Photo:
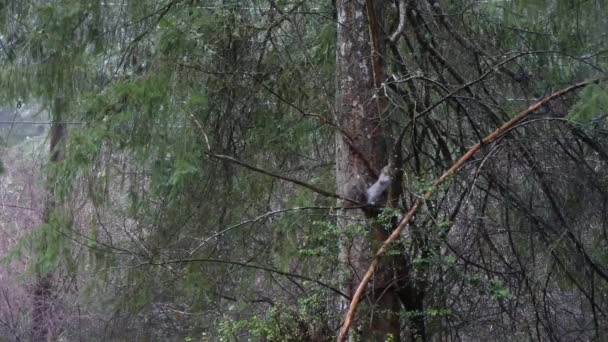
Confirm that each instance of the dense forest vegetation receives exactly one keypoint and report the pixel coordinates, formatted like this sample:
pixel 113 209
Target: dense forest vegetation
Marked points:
pixel 303 170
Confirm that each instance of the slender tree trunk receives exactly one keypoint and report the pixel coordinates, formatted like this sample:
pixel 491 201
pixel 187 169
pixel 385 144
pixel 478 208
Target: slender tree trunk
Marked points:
pixel 358 161
pixel 42 293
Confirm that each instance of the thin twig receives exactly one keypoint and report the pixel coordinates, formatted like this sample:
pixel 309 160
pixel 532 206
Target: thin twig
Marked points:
pixel 261 217
pixel 242 264
pixel 275 175
pixel 18 207
pixel 268 173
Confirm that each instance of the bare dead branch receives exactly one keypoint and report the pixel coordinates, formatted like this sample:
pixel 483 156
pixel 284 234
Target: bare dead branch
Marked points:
pixel 242 264
pixel 401 26
pixel 268 173
pixel 275 175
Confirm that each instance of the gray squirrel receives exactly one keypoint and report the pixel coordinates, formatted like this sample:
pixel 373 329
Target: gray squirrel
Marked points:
pixel 376 193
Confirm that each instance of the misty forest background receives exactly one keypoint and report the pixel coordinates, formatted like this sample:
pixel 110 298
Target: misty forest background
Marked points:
pixel 195 170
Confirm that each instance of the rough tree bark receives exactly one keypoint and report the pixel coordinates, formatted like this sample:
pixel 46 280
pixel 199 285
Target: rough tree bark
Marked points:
pixel 358 113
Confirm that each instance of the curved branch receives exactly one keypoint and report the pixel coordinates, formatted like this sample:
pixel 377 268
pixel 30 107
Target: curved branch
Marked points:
pixel 350 315
pixel 401 26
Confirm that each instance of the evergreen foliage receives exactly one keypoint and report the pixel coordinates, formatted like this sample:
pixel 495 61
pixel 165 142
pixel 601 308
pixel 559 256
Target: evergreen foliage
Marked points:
pixel 156 238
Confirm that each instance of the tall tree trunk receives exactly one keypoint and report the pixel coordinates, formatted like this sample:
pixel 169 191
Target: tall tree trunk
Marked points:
pixel 359 158
pixel 42 293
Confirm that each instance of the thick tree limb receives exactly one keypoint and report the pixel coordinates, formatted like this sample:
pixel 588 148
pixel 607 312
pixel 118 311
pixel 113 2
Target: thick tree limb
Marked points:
pixel 350 315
